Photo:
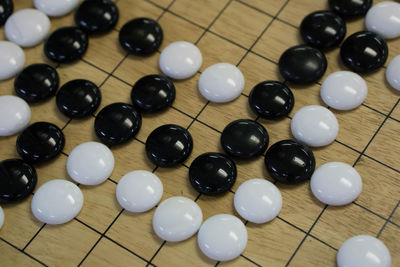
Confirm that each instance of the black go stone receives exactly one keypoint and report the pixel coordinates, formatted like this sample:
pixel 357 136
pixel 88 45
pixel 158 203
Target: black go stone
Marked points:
pixel 17 180
pixel 212 173
pixel 141 36
pixel 244 139
pixel 350 7
pixel 6 9
pixel 37 82
pixel 364 52
pixel 290 162
pixel 96 16
pixel 40 142
pixel 117 123
pixel 78 98
pixel 323 29
pixel 271 100
pixel 66 44
pixel 169 145
pixel 302 64
pixel 153 93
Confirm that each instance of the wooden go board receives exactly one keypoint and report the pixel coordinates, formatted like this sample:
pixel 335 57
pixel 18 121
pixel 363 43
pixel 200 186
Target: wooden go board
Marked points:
pixel 251 34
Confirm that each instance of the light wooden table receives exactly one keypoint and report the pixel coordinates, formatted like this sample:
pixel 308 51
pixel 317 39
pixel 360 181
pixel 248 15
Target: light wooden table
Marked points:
pixel 251 34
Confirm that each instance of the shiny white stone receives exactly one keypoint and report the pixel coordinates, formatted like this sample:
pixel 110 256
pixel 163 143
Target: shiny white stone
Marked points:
pixel 393 72
pixel 222 237
pixel 1 217
pixel 14 115
pixel 57 202
pixel 90 163
pixel 344 90
pixel 336 183
pixel 314 126
pixel 139 191
pixel 177 219
pixel 221 83
pixel 384 19
pixel 180 60
pixel 55 8
pixel 258 200
pixel 27 27
pixel 12 59
pixel 363 251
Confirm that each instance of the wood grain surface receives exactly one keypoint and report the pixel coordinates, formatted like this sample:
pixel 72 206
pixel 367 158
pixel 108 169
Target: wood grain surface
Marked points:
pixel 251 34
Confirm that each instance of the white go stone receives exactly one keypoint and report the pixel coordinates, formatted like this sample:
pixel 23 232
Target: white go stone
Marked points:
pixel 384 19
pixel 314 126
pixel 139 191
pixel 1 217
pixel 363 251
pixel 180 60
pixel 90 163
pixel 12 59
pixel 336 184
pixel 258 200
pixel 177 219
pixel 393 72
pixel 55 8
pixel 222 82
pixel 222 237
pixel 14 115
pixel 57 202
pixel 27 27
pixel 344 90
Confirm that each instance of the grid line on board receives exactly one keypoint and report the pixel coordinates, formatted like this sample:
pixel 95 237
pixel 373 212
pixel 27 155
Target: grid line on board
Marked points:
pixel 30 241
pixel 262 33
pixel 112 240
pixel 195 119
pixel 305 237
pixel 388 219
pixel 377 131
pixel 22 251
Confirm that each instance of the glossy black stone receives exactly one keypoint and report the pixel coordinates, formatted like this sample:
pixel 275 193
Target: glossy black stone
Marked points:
pixel 37 82
pixel 96 16
pixel 6 9
pixel 271 100
pixel 66 44
pixel 323 29
pixel 141 36
pixel 169 145
pixel 212 173
pixel 302 64
pixel 78 98
pixel 40 142
pixel 364 52
pixel 350 7
pixel 153 93
pixel 244 139
pixel 290 162
pixel 117 123
pixel 17 180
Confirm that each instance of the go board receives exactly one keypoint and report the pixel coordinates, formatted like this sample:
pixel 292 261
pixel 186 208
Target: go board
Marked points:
pixel 251 34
